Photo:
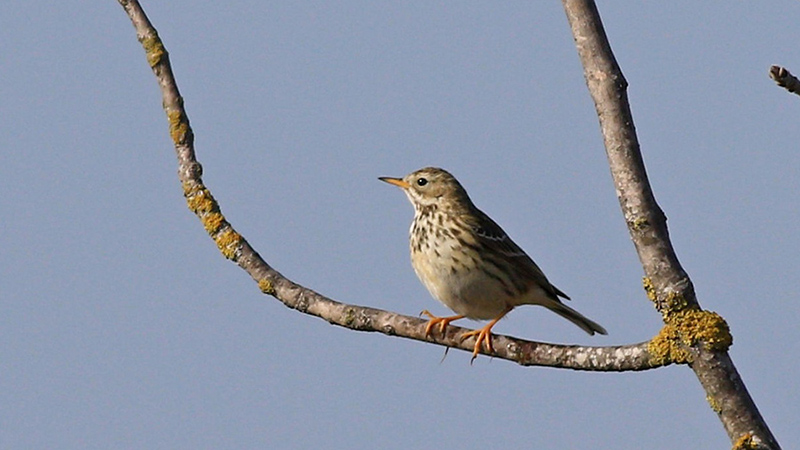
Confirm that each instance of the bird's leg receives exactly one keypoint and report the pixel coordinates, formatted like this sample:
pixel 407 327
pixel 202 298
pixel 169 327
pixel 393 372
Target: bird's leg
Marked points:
pixel 442 321
pixel 483 335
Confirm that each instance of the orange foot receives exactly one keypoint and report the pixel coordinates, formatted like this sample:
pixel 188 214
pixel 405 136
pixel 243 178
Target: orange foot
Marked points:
pixel 483 335
pixel 442 321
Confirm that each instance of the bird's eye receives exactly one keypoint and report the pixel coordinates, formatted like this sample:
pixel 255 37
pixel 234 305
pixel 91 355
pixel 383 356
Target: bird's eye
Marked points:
pixel 422 181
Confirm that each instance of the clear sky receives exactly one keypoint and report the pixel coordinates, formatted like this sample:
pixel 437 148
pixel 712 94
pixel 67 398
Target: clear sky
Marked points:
pixel 121 325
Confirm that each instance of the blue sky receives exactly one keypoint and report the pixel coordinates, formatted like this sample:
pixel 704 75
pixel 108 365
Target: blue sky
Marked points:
pixel 123 327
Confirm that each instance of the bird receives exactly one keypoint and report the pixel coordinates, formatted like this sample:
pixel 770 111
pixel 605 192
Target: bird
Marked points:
pixel 468 263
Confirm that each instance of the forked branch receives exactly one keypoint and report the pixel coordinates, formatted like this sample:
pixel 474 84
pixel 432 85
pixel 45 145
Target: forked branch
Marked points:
pixel 704 334
pixel 685 338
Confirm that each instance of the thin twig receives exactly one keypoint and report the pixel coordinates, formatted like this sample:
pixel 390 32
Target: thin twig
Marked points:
pixel 785 79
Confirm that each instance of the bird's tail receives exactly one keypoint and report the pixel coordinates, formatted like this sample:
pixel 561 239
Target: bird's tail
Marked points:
pixel 575 317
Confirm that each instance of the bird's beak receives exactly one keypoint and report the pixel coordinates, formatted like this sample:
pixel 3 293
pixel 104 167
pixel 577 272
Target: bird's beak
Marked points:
pixel 396 181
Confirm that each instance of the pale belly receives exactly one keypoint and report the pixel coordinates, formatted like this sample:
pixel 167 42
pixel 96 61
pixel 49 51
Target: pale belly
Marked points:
pixel 466 290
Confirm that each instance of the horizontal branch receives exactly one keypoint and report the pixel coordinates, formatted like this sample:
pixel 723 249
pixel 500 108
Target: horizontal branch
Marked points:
pixel 234 247
pixel 526 353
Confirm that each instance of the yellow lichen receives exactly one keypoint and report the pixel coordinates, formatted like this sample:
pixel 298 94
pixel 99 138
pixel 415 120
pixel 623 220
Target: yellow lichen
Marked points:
pixel 745 442
pixel 675 302
pixel 689 328
pixel 154 49
pixel 201 201
pixel 178 126
pixel 266 286
pixel 649 289
pixel 640 224
pixel 213 222
pixel 228 243
pixel 189 188
pixel 174 116
pixel 706 327
pixel 665 348
pixel 349 317
pixel 714 404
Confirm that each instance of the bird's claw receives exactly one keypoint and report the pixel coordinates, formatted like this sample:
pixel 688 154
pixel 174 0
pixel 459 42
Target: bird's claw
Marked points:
pixel 482 336
pixel 434 320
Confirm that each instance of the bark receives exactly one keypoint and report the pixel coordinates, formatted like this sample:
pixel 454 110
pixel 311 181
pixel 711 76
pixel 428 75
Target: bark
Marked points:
pixel 690 335
pixel 704 336
pixel 236 248
pixel 785 79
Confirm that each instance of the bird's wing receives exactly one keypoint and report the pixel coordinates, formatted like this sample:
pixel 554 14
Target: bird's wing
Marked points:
pixel 496 240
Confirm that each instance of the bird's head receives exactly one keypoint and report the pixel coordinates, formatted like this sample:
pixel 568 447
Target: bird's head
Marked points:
pixel 432 186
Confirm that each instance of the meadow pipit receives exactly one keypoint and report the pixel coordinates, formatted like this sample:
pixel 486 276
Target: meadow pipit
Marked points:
pixel 469 263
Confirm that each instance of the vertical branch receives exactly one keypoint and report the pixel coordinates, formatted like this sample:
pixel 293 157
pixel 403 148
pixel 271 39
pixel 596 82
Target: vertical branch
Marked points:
pixel 701 337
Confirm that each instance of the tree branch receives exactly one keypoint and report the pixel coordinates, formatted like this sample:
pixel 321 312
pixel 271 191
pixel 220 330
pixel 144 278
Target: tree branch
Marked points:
pixel 232 245
pixel 785 79
pixel 703 335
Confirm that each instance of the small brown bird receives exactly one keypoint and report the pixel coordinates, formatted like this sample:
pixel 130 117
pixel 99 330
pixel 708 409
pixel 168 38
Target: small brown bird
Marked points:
pixel 469 263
